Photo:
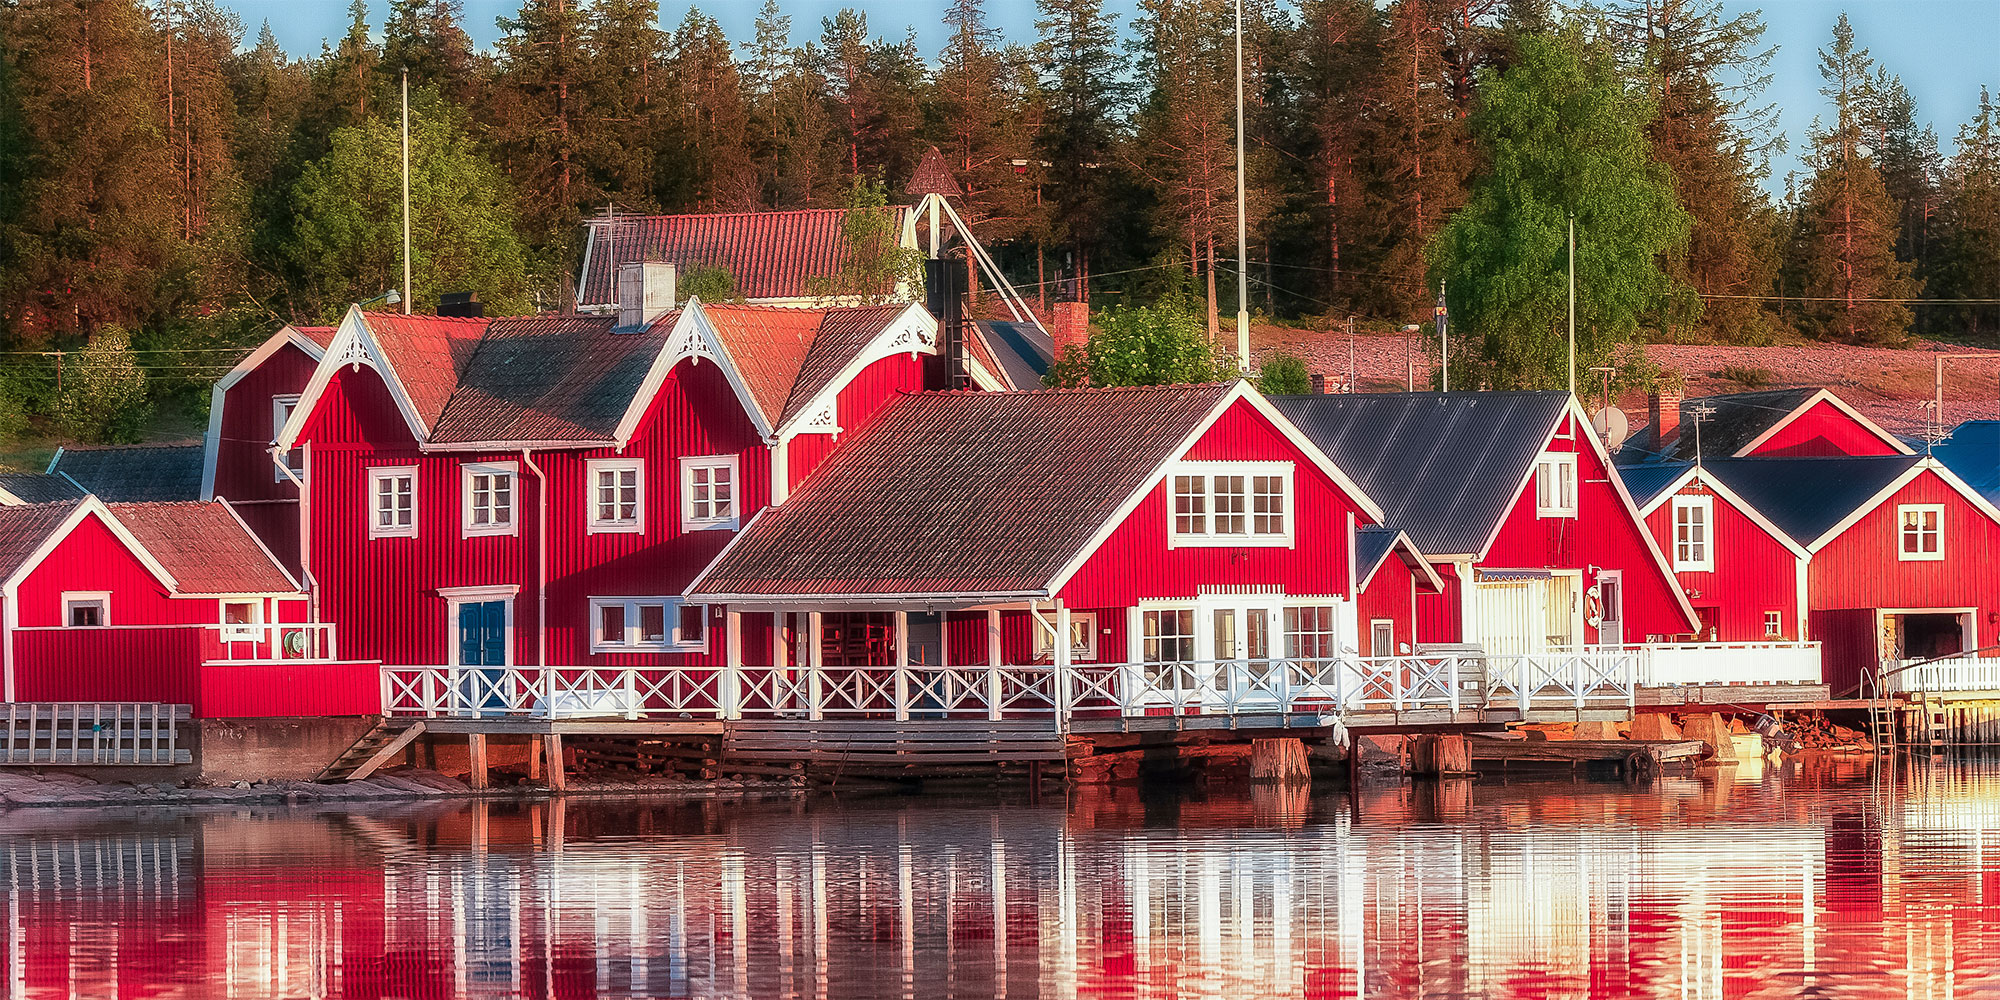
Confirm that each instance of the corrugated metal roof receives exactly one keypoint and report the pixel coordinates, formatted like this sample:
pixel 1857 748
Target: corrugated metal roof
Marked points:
pixel 1022 352
pixel 1737 420
pixel 1804 497
pixel 549 378
pixel 1647 480
pixel 1973 454
pixel 772 255
pixel 1446 467
pixel 1371 546
pixel 963 493
pixel 135 472
pixel 204 547
pixel 39 487
pixel 24 529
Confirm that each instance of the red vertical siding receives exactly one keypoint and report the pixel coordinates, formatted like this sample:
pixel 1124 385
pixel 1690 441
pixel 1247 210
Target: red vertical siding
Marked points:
pixel 1754 572
pixel 1389 596
pixel 1847 639
pixel 1440 616
pixel 244 472
pixel 1861 567
pixel 1136 563
pixel 1603 534
pixel 92 558
pixel 110 664
pixel 1824 430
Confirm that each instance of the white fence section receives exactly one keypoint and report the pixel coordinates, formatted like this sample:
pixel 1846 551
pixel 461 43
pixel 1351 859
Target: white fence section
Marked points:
pixel 1960 673
pixel 1330 687
pixel 1669 664
pixel 272 642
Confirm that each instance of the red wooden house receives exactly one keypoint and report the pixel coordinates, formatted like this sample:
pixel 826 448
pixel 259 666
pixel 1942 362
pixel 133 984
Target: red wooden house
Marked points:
pixel 247 407
pixel 1390 576
pixel 1149 527
pixel 1774 423
pixel 1510 496
pixel 176 603
pixel 538 491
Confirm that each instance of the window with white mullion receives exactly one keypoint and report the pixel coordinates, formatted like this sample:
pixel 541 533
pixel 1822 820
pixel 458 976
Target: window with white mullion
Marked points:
pixel 1921 532
pixel 1693 549
pixel 1555 485
pixel 617 495
pixel 489 499
pixel 1231 503
pixel 709 493
pixel 639 624
pixel 392 502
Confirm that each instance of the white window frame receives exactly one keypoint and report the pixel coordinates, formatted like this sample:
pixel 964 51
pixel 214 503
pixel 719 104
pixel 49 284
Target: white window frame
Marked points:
pixel 1549 501
pixel 281 413
pixel 249 631
pixel 1706 561
pixel 616 525
pixel 1774 624
pixel 1903 534
pixel 670 620
pixel 376 475
pixel 512 470
pixel 1375 627
pixel 1085 651
pixel 101 598
pixel 689 522
pixel 1206 537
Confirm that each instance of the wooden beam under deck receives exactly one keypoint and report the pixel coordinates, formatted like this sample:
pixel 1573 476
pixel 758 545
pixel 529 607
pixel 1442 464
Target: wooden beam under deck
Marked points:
pixel 514 726
pixel 1737 695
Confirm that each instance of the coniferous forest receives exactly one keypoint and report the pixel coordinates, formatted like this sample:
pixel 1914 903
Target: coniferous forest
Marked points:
pixel 173 185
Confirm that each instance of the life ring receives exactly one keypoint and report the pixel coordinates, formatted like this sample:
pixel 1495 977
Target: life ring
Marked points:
pixel 1593 606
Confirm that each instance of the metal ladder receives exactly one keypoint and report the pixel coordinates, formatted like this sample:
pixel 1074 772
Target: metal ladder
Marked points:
pixel 1881 714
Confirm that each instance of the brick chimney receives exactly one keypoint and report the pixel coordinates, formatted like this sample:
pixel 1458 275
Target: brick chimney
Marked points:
pixel 1319 383
pixel 1663 410
pixel 1071 326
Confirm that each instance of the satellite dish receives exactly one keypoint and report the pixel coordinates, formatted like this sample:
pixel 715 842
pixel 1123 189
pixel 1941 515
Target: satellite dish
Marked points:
pixel 1611 426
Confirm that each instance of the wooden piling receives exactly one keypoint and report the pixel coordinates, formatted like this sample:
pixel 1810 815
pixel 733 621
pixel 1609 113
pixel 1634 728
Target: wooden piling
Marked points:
pixel 475 755
pixel 1280 761
pixel 552 750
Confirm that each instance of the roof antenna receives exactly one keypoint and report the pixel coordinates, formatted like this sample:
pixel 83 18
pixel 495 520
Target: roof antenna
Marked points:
pixel 1702 411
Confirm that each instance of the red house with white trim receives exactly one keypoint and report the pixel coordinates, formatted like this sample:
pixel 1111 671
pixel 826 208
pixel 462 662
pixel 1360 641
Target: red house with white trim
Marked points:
pixel 1773 423
pixel 1510 496
pixel 247 407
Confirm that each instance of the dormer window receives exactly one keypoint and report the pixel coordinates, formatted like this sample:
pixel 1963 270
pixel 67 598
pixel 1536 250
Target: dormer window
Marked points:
pixel 1230 503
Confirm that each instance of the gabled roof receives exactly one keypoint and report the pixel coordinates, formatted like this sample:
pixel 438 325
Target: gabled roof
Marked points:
pixel 1662 480
pixel 788 355
pixel 1973 454
pixel 1374 545
pixel 1649 481
pixel 547 378
pixel 1808 497
pixel 24 530
pixel 964 494
pixel 1447 467
pixel 17 488
pixel 205 547
pixel 772 255
pixel 134 472
pixel 1741 421
pixel 429 354
pixel 312 340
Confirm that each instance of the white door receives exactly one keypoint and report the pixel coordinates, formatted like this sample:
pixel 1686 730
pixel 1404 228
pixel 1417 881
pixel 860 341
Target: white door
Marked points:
pixel 1239 647
pixel 1610 608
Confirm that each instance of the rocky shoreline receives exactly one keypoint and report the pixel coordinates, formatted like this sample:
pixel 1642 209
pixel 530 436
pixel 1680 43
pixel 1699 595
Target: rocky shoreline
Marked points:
pixel 58 789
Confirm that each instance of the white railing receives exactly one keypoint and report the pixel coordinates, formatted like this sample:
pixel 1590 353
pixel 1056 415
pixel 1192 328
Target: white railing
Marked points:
pixel 1668 664
pixel 1229 687
pixel 1563 680
pixel 1960 673
pixel 272 642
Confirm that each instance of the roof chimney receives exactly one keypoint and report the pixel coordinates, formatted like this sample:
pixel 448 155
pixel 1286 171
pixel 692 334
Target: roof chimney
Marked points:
pixel 1319 383
pixel 1663 410
pixel 1071 326
pixel 645 293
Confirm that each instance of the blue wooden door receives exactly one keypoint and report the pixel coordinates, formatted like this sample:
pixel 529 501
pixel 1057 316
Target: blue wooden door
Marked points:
pixel 482 642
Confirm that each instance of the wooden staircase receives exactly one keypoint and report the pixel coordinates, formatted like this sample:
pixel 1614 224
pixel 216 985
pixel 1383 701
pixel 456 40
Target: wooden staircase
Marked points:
pixel 371 751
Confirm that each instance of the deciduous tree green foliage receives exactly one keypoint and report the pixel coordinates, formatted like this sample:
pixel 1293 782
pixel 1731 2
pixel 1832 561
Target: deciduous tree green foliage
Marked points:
pixel 103 398
pixel 347 244
pixel 1162 344
pixel 709 283
pixel 1284 375
pixel 1567 137
pixel 874 267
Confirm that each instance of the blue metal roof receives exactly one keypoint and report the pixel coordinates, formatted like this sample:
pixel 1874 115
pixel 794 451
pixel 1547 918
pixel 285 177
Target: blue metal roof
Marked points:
pixel 1650 479
pixel 1973 454
pixel 1804 497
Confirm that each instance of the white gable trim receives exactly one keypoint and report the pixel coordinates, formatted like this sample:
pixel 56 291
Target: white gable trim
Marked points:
pixel 352 346
pixel 1925 464
pixel 1241 391
pixel 1827 396
pixel 1718 488
pixel 1401 541
pixel 212 441
pixel 297 589
pixel 88 507
pixel 914 330
pixel 692 336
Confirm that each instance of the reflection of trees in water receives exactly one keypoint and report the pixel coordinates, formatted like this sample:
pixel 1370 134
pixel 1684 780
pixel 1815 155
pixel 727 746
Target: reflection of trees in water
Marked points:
pixel 1679 891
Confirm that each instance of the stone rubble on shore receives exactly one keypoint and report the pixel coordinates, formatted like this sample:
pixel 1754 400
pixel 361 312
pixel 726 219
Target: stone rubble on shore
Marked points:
pixel 56 788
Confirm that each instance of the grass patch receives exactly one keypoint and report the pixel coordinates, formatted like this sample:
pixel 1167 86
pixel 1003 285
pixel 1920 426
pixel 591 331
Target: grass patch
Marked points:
pixel 1747 376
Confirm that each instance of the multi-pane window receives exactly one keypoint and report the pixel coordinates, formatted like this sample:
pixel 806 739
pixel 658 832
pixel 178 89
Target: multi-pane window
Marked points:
pixel 1169 635
pixel 489 499
pixel 281 414
pixel 1774 624
pixel 393 502
pixel 646 623
pixel 709 493
pixel 1922 532
pixel 1082 638
pixel 1692 550
pixel 1311 633
pixel 617 492
pixel 1555 485
pixel 1232 503
pixel 240 620
pixel 86 610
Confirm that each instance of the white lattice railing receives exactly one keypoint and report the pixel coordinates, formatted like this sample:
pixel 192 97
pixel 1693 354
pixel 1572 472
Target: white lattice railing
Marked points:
pixel 1959 673
pixel 1559 680
pixel 1668 664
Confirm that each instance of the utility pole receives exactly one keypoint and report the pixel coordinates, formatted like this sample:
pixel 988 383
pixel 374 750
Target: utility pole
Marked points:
pixel 1242 227
pixel 1409 361
pixel 409 293
pixel 1444 344
pixel 1572 303
pixel 1350 354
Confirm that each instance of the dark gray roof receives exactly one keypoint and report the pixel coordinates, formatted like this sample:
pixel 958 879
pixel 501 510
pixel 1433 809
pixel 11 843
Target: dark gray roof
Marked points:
pixel 1648 480
pixel 1737 420
pixel 1371 546
pixel 1973 453
pixel 1024 352
pixel 1804 497
pixel 39 487
pixel 134 473
pixel 1445 466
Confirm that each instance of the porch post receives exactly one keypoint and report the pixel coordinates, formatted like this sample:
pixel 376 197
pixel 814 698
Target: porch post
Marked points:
pixel 994 689
pixel 1062 659
pixel 902 666
pixel 815 698
pixel 732 664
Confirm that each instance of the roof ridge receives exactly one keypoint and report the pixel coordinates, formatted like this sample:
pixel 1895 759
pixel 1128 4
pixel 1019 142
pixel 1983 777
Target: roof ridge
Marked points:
pixel 758 213
pixel 1098 390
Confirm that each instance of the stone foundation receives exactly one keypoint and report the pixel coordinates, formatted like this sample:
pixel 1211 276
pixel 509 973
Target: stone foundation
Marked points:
pixel 227 750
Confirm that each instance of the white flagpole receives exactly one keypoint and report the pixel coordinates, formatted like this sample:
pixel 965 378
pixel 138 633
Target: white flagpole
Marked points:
pixel 1242 229
pixel 409 293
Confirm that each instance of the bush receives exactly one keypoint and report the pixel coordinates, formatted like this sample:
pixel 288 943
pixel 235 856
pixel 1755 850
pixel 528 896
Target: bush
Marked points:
pixel 103 398
pixel 1284 375
pixel 709 283
pixel 1746 376
pixel 1147 345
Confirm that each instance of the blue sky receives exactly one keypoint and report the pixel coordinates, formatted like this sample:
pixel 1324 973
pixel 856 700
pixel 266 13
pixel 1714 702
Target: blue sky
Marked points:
pixel 1944 50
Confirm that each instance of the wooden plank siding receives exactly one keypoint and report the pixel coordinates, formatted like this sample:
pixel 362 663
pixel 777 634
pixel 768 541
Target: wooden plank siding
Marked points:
pixel 1823 430
pixel 1390 595
pixel 244 472
pixel 1861 568
pixel 1754 572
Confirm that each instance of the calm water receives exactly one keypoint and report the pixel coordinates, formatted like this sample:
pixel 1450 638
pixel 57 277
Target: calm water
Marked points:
pixel 1826 881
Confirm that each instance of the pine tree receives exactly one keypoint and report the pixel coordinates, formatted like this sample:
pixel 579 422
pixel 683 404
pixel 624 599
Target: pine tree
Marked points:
pixel 543 133
pixel 1186 131
pixel 629 90
pixel 984 125
pixel 1420 158
pixel 1083 84
pixel 1337 54
pixel 99 228
pixel 872 91
pixel 1906 156
pixel 428 37
pixel 199 47
pixel 1967 245
pixel 344 80
pixel 705 163
pixel 793 135
pixel 1849 222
